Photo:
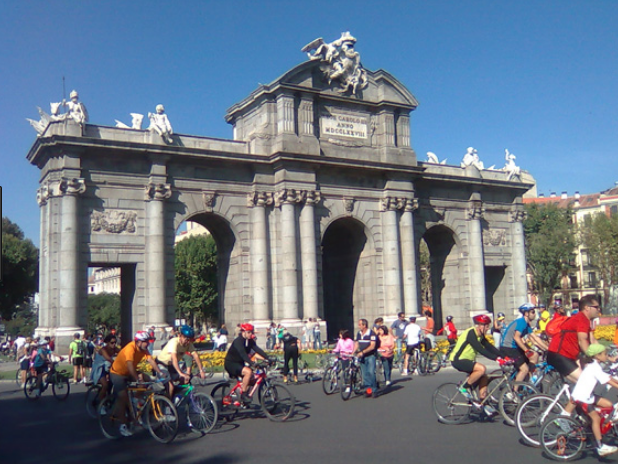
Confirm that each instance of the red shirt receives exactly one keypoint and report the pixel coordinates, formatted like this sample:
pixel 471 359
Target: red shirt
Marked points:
pixel 567 343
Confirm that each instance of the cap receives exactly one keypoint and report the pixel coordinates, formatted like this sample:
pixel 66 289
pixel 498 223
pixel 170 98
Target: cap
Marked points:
pixel 594 349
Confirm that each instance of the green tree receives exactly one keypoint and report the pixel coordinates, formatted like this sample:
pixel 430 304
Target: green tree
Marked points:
pixel 599 236
pixel 20 269
pixel 550 240
pixel 425 265
pixel 103 311
pixel 196 278
pixel 24 320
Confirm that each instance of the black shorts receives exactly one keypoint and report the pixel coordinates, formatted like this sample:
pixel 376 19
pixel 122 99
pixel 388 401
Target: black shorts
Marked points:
pixel 119 382
pixel 42 369
pixel 174 375
pixel 78 361
pixel 463 365
pixel 88 362
pixel 25 364
pixel 517 355
pixel 411 348
pixel 562 364
pixel 234 369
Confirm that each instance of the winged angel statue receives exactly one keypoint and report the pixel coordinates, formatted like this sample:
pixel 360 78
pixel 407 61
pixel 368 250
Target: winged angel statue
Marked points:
pixel 339 62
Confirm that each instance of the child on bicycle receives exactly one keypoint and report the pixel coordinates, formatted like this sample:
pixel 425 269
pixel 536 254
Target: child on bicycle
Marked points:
pixel 345 346
pixel 584 397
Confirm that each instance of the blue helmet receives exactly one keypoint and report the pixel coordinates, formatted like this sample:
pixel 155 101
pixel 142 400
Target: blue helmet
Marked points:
pixel 187 331
pixel 526 307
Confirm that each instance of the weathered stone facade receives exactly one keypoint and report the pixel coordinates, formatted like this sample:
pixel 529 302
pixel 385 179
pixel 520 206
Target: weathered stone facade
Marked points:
pixel 317 207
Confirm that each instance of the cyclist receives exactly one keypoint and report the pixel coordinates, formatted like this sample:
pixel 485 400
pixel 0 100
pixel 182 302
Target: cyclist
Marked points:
pixel 412 336
pixel 463 357
pixel 237 361
pixel 124 369
pixel 41 363
pixel 103 359
pixel 174 351
pixel 583 393
pixel 451 333
pixel 397 329
pixel 514 346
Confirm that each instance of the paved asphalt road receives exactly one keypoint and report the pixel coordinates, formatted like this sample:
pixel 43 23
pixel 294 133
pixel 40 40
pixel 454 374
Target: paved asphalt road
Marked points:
pixel 398 426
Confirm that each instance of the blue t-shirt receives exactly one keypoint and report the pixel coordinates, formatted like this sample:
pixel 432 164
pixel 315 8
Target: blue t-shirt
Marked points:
pixel 518 325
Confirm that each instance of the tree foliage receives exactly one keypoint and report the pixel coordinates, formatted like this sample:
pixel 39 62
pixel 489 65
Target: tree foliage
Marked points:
pixel 599 236
pixel 550 241
pixel 196 278
pixel 103 312
pixel 20 269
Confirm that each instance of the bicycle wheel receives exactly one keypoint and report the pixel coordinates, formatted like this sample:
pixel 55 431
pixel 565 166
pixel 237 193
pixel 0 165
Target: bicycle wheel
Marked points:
pixel 449 405
pixel 330 381
pixel 495 386
pixel 161 418
pixel 30 389
pixel 421 366
pixel 18 377
pixel 208 373
pixel 380 378
pixel 511 397
pixel 551 383
pixel 110 425
pixel 531 415
pixel 277 402
pixel 202 413
pixel 225 407
pixel 562 438
pixel 302 366
pixel 60 387
pixel 435 360
pixel 92 400
pixel 413 362
pixel 357 382
pixel 322 361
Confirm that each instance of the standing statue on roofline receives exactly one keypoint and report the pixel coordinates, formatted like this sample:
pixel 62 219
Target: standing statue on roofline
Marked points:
pixel 339 62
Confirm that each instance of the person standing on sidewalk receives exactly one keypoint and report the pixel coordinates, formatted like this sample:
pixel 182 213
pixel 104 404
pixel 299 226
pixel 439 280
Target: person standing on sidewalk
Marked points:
pixel 365 348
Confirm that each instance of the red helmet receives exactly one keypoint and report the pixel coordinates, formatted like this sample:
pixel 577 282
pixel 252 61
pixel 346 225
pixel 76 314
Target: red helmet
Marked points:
pixel 142 336
pixel 481 319
pixel 247 327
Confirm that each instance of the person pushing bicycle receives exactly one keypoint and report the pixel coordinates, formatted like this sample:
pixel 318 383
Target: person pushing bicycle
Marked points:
pixel 237 361
pixel 471 342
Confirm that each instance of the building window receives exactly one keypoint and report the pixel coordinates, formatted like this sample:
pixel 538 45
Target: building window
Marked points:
pixel 613 210
pixel 573 279
pixel 592 279
pixel 584 255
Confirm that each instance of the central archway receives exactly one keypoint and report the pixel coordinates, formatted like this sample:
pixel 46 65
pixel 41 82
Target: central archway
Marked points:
pixel 342 246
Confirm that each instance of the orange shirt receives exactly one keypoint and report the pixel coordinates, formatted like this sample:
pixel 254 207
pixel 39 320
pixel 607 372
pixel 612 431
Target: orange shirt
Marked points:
pixel 429 326
pixel 128 353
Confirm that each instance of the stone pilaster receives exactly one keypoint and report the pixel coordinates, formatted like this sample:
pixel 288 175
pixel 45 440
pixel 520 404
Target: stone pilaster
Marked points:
pixel 258 201
pixel 408 258
pixel 475 255
pixel 287 200
pixel 305 114
pixel 285 114
pixel 308 256
pixel 44 310
pixel 392 258
pixel 520 283
pixel 155 196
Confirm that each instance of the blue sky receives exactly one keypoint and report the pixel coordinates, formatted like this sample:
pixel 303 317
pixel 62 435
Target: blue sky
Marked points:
pixel 536 77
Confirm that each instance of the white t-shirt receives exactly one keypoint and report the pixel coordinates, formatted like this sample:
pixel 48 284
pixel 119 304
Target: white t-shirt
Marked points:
pixel 590 376
pixel 412 334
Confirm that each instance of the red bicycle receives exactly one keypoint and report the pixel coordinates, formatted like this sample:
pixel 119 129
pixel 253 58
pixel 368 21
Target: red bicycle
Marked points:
pixel 275 399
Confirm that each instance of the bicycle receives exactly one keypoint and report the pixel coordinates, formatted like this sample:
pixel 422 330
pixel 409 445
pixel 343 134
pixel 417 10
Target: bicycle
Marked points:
pixel 418 361
pixel 351 379
pixel 534 411
pixel 59 381
pixel 276 400
pixel 92 397
pixel 201 409
pixel 563 438
pixel 452 407
pixel 150 409
pixel 331 377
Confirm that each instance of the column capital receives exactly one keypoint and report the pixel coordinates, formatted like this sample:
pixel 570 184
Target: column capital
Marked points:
pixel 411 204
pixel 393 203
pixel 208 197
pixel 157 191
pixel 42 195
pixel 73 187
pixel 475 210
pixel 261 199
pixel 517 214
pixel 289 196
pixel 312 197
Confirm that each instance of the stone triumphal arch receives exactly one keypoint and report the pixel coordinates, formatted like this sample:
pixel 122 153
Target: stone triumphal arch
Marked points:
pixel 317 206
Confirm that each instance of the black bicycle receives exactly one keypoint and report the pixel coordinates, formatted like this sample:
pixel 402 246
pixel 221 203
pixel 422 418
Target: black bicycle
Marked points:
pixel 351 379
pixel 59 381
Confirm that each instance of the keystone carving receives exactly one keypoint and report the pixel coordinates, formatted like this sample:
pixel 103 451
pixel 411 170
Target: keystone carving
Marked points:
pixel 208 197
pixel 348 205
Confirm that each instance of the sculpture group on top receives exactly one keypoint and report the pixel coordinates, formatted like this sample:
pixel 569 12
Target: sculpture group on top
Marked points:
pixel 339 62
pixel 471 158
pixel 76 112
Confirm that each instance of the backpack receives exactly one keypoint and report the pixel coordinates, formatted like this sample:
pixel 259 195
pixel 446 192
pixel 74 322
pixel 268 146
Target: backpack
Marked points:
pixel 38 359
pixel 81 349
pixel 553 327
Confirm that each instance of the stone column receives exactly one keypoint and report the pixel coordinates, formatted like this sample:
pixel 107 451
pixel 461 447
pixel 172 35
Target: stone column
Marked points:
pixel 520 283
pixel 408 257
pixel 285 114
pixel 155 196
pixel 392 260
pixel 476 260
pixel 287 200
pixel 259 253
pixel 44 310
pixel 69 280
pixel 308 255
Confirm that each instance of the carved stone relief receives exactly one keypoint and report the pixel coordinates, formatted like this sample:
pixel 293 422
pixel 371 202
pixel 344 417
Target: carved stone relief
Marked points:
pixel 494 237
pixel 113 221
